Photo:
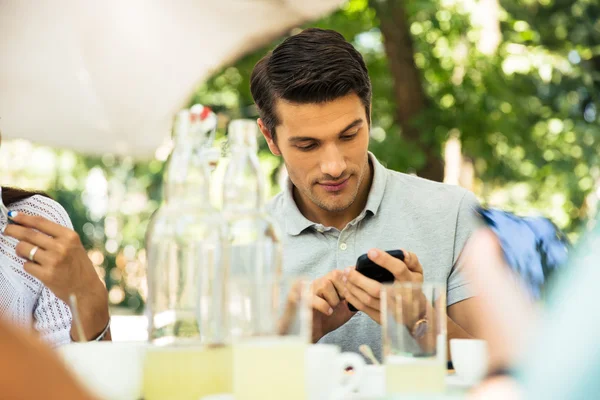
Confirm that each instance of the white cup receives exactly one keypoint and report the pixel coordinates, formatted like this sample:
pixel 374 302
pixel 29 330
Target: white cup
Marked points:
pixel 469 358
pixel 373 382
pixel 109 370
pixel 326 376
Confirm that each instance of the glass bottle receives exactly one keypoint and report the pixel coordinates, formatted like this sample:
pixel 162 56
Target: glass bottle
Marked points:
pixel 187 275
pixel 254 243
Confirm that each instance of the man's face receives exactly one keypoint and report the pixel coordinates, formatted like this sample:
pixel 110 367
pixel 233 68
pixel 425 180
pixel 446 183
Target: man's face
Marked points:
pixel 324 147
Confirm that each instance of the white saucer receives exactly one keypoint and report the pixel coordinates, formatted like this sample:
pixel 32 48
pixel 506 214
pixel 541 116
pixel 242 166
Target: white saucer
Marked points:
pixel 220 396
pixel 454 381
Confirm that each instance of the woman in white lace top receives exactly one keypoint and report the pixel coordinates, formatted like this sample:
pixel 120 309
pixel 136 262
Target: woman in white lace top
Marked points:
pixel 42 262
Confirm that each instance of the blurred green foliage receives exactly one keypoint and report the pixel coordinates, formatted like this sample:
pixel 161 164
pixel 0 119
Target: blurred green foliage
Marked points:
pixel 527 115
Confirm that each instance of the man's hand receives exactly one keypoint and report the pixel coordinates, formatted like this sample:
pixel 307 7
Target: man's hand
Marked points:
pixel 364 293
pixel 61 263
pixel 330 309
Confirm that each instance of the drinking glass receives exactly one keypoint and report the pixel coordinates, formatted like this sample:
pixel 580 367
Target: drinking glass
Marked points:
pixel 271 330
pixel 414 337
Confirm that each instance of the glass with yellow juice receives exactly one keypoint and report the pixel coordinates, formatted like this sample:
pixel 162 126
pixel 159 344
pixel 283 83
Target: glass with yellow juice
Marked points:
pixel 413 317
pixel 272 328
pixel 187 373
pixel 269 369
pixel 405 374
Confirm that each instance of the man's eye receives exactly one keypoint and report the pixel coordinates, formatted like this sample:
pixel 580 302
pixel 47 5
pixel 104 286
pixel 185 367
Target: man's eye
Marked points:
pixel 349 137
pixel 307 147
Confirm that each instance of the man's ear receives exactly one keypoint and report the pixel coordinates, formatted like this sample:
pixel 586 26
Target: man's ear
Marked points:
pixel 268 137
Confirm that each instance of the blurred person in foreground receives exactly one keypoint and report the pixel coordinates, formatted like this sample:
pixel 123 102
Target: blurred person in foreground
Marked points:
pixel 42 263
pixel 24 358
pixel 313 93
pixel 548 353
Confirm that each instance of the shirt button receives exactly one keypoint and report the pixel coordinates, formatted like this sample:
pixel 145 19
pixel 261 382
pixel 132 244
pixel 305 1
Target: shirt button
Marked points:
pixel 320 229
pixel 343 246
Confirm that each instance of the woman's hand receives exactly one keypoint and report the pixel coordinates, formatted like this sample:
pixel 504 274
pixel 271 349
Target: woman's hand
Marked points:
pixel 57 258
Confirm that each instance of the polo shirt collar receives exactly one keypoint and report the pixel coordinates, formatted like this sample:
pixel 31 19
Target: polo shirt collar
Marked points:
pixel 296 222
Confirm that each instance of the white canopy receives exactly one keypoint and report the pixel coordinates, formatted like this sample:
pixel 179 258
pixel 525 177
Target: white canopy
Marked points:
pixel 108 76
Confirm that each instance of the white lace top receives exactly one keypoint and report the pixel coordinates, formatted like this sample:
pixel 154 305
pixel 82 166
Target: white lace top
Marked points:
pixel 24 300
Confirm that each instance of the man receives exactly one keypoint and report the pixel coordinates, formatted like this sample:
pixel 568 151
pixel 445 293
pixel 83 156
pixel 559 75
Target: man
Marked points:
pixel 313 93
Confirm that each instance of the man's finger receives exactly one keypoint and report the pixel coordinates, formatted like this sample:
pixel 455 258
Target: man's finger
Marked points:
pixel 331 294
pixel 371 286
pixel 337 279
pixel 32 236
pixel 39 223
pixel 364 297
pixel 291 307
pixel 397 267
pixel 375 315
pixel 412 262
pixel 326 290
pixel 321 305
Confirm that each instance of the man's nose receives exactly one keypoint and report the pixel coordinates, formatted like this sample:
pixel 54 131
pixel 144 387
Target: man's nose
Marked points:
pixel 332 162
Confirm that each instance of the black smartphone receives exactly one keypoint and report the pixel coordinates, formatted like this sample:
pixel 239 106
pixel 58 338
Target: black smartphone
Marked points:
pixel 371 270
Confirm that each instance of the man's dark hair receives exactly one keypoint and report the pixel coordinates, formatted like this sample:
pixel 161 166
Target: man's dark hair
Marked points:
pixel 314 66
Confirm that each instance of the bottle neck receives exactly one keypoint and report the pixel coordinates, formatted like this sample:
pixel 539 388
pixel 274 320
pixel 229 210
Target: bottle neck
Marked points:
pixel 243 183
pixel 187 177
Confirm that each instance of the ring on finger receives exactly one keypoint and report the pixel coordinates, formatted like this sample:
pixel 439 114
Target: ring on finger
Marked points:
pixel 32 252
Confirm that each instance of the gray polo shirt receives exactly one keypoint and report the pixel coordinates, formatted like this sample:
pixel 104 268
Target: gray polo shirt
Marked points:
pixel 430 219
